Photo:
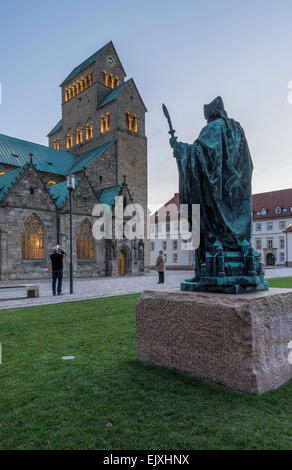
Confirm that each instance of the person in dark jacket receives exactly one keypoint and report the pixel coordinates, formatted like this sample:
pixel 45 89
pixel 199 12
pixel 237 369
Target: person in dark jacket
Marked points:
pixel 160 267
pixel 57 259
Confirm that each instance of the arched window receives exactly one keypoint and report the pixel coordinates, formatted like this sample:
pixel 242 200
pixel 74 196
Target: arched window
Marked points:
pixel 51 183
pixel 117 82
pixel 107 121
pixel 111 81
pixel 69 139
pixel 2 173
pixel 89 129
pixel 78 87
pixel 85 242
pixel 128 121
pixel 32 246
pixel 81 83
pixel 66 94
pixel 86 81
pixel 90 79
pixel 79 134
pixel 55 144
pixel 135 123
pixel 69 93
pixel 105 77
pixel 58 143
pixel 102 123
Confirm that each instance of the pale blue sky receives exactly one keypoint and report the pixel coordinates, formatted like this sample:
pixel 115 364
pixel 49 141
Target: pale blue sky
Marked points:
pixel 183 53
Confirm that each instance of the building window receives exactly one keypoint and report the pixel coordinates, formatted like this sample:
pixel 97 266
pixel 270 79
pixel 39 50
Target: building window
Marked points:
pixel 270 243
pixel 77 87
pixel 105 122
pixel 79 134
pixel 278 210
pixel 56 143
pixel 69 139
pixel 264 211
pixel 282 243
pixel 258 244
pixel 152 246
pixel 282 225
pixel 131 122
pixel 89 129
pixel 269 226
pixel 85 242
pixel 174 257
pixel 164 245
pixel 2 173
pixel 32 246
pixel 51 183
pixel 174 244
pixel 282 257
pixel 258 227
pixel 109 80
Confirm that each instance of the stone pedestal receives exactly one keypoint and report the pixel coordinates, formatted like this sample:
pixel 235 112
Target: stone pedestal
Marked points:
pixel 239 341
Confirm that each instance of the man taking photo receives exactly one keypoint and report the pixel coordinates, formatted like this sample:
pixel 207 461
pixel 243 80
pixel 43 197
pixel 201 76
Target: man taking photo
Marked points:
pixel 57 259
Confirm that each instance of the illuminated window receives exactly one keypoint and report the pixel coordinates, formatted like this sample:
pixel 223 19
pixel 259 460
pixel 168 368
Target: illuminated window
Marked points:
pixel 32 246
pixel 102 123
pixel 135 123
pixel 56 143
pixel 78 87
pixel 79 134
pixel 85 242
pixel 89 129
pixel 2 173
pixel 69 93
pixel 82 84
pixel 105 78
pixel 51 183
pixel 66 94
pixel 128 121
pixel 117 82
pixel 86 81
pixel 107 121
pixel 69 139
pixel 90 79
pixel 131 122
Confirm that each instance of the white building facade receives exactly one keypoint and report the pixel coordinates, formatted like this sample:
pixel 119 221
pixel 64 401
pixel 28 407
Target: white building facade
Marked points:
pixel 271 236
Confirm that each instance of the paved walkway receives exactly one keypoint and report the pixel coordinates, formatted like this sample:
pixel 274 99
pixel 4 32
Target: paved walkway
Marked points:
pixel 102 287
pixel 88 288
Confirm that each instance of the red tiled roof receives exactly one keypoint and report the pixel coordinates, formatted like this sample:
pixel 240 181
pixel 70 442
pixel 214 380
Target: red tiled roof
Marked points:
pixel 171 208
pixel 270 201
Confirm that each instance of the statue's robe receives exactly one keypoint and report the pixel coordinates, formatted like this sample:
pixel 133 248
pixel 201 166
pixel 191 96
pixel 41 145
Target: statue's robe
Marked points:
pixel 215 172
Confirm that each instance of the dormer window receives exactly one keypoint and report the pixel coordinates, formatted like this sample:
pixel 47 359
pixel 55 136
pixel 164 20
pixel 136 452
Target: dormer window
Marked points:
pixel 278 210
pixel 264 211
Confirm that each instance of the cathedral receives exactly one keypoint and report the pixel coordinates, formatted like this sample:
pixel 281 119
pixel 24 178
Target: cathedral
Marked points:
pixel 101 140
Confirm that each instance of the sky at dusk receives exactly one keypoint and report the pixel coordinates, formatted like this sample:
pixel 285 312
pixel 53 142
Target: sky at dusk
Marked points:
pixel 181 53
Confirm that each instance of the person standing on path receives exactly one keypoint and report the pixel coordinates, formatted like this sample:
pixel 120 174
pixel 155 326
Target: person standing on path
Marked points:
pixel 57 259
pixel 160 267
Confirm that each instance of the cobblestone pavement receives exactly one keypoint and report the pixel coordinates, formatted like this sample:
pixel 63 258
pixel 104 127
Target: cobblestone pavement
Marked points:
pixel 88 288
pixel 102 287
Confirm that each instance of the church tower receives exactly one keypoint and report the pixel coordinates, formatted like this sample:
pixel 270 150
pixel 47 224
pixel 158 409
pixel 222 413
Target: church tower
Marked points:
pixel 100 107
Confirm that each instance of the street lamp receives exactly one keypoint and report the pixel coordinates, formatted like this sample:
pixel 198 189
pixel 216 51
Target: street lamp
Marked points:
pixel 71 187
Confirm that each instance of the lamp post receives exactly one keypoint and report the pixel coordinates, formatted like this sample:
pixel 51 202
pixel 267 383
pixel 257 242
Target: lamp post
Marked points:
pixel 71 187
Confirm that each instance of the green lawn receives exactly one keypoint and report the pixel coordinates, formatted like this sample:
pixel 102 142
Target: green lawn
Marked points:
pixel 281 282
pixel 106 399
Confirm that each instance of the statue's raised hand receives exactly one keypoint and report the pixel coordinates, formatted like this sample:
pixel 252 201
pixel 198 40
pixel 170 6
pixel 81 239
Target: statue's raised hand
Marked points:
pixel 172 141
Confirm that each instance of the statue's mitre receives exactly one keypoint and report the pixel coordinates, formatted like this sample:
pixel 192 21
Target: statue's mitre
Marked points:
pixel 216 107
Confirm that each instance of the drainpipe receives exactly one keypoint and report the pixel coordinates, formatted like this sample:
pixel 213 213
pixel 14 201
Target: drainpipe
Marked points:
pixel 58 227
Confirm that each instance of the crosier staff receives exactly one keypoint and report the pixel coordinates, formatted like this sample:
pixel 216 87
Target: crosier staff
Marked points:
pixel 171 129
